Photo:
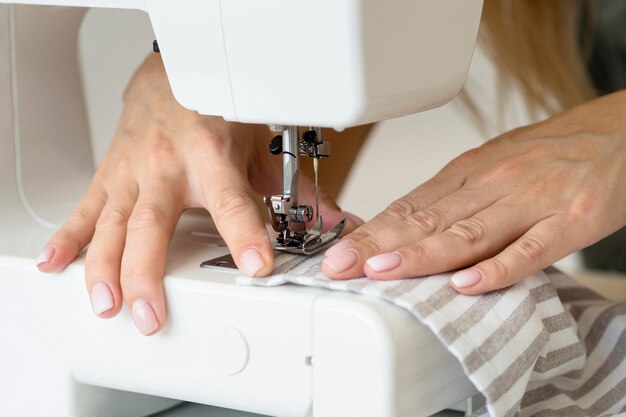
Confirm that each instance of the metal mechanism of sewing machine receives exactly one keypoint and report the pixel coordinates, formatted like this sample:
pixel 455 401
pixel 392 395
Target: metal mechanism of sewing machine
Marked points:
pixel 288 217
pixel 295 65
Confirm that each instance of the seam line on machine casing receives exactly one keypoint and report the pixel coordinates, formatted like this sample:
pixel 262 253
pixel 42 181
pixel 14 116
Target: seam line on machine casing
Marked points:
pixel 15 120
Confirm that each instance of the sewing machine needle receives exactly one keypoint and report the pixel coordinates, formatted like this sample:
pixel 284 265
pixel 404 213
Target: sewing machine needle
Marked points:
pixel 317 228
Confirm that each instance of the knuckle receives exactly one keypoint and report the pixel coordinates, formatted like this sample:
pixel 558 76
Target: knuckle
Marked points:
pixel 212 137
pixel 213 145
pixel 239 238
pixel 401 208
pixel 79 215
pixel 530 248
pixel 69 239
pixel 135 281
pixel 144 217
pixel 368 246
pixel 161 147
pixel 111 217
pixel 417 253
pixel 470 230
pixel 359 233
pixel 501 270
pixel 505 168
pixel 229 204
pixel 429 220
pixel 583 207
pixel 501 170
pixel 101 267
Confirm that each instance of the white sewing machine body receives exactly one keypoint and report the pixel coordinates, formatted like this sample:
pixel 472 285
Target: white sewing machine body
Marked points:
pixel 287 351
pixel 326 63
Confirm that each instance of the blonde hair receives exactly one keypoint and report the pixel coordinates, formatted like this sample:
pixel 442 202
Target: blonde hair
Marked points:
pixel 541 46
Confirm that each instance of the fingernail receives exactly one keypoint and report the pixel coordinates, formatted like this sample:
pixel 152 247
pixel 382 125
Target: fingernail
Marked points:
pixel 354 217
pixel 342 244
pixel 251 262
pixel 384 262
pixel 466 278
pixel 341 261
pixel 144 317
pixel 45 256
pixel 101 298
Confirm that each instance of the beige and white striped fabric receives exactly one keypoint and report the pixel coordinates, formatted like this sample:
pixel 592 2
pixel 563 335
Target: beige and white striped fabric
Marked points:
pixel 544 347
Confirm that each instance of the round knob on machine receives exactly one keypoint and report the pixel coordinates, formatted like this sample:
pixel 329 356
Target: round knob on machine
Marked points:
pixel 276 145
pixel 228 350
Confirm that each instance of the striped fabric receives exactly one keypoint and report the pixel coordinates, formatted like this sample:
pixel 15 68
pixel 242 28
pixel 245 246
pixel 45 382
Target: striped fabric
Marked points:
pixel 546 346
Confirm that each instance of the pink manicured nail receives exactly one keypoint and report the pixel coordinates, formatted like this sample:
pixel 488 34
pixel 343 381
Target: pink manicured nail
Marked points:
pixel 342 244
pixel 144 317
pixel 101 298
pixel 340 261
pixel 354 217
pixel 45 256
pixel 384 262
pixel 251 262
pixel 466 278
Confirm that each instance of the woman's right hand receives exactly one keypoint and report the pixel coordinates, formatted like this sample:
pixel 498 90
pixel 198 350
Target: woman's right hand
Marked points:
pixel 163 160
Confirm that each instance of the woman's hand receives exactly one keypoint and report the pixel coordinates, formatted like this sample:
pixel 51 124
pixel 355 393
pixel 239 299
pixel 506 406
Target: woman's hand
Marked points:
pixel 505 210
pixel 163 160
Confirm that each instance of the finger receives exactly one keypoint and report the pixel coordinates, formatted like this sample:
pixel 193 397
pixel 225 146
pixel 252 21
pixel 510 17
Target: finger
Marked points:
pixel 545 243
pixel 230 201
pixel 348 260
pixel 465 242
pixel 75 233
pixel 421 197
pixel 149 231
pixel 104 256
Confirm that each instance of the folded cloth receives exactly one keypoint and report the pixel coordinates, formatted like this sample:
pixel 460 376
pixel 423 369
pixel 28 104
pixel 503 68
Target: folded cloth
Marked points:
pixel 546 346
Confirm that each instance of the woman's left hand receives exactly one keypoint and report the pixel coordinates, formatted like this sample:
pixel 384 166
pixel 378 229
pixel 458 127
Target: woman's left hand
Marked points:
pixel 505 210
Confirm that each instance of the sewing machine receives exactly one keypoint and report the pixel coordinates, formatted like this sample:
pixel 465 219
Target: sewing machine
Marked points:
pixel 287 351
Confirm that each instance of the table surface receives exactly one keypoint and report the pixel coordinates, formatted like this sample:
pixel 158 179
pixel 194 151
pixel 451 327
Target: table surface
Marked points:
pixel 197 410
